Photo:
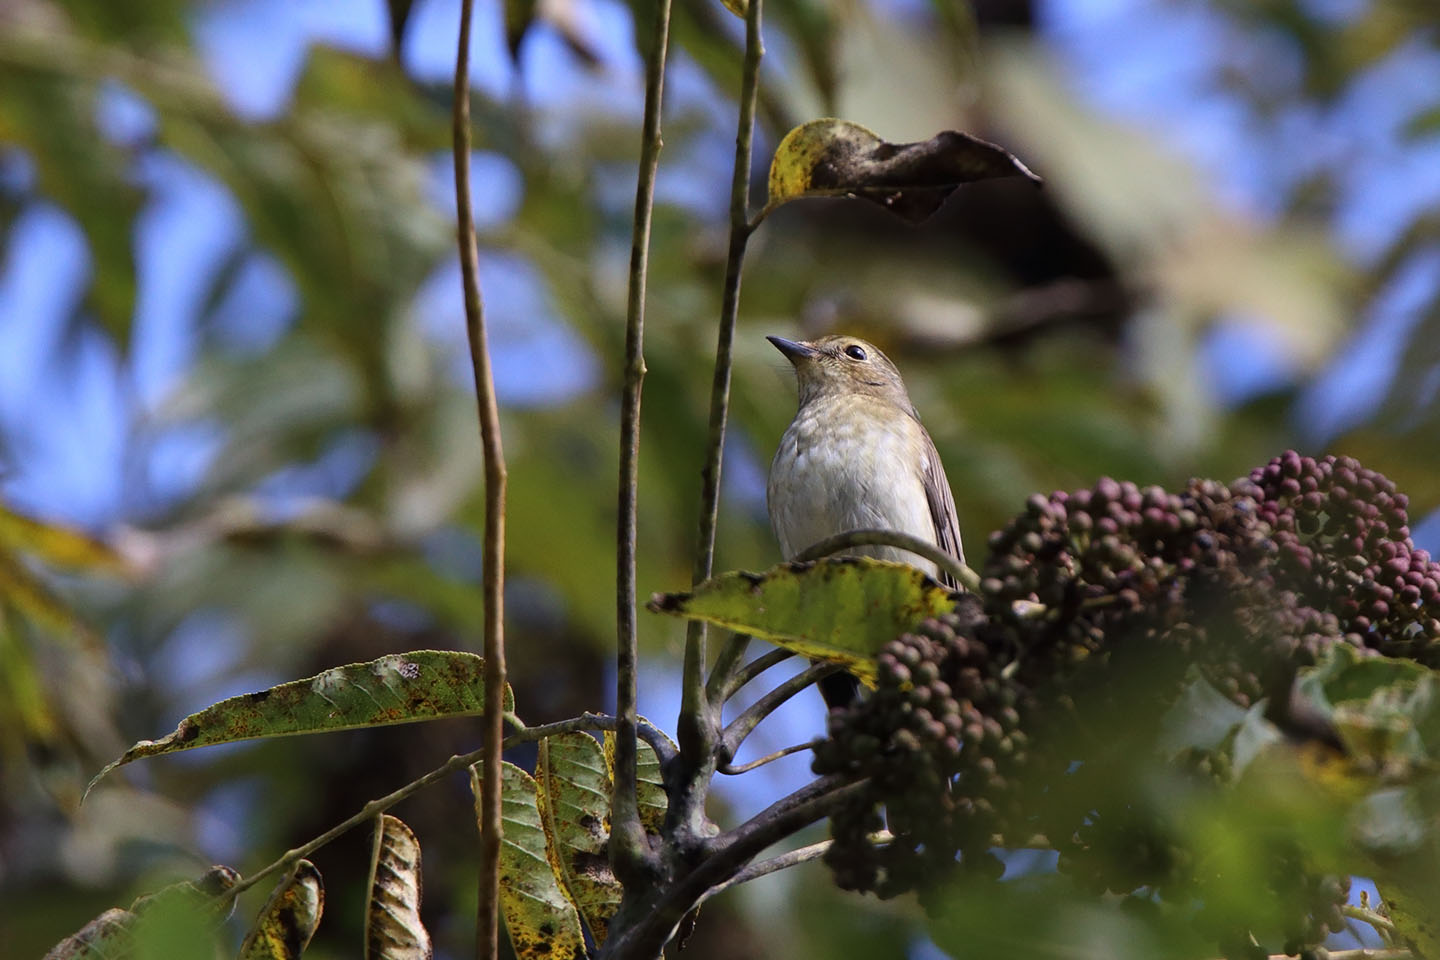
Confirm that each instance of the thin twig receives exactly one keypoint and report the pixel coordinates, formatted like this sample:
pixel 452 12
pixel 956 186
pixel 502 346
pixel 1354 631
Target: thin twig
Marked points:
pixel 775 864
pixel 735 771
pixel 793 858
pixel 487 932
pixel 747 673
pixel 1382 924
pixel 696 729
pixel 629 849
pixel 588 721
pixel 768 209
pixel 963 575
pixel 742 726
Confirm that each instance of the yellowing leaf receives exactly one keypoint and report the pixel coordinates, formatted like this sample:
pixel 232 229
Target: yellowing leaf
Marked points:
pixel 539 917
pixel 573 786
pixel 832 157
pixel 650 787
pixel 393 930
pixel 56 545
pixel 842 609
pixel 649 784
pixel 398 688
pixel 737 7
pixel 289 919
pixel 21 589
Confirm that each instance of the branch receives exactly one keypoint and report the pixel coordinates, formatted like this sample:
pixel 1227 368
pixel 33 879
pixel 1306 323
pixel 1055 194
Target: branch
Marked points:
pixel 629 849
pixel 734 771
pixel 720 672
pixel 741 726
pixel 785 860
pixel 963 575
pixel 751 670
pixel 697 726
pixel 729 852
pixel 487 926
pixel 775 864
pixel 1382 924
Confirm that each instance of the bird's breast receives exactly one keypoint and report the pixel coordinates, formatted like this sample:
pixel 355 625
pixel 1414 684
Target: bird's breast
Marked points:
pixel 847 466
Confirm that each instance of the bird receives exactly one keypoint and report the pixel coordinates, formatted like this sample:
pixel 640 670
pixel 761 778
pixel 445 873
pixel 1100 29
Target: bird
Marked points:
pixel 857 456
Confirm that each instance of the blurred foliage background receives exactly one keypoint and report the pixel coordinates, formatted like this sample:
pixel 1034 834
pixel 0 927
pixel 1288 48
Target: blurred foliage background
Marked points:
pixel 232 350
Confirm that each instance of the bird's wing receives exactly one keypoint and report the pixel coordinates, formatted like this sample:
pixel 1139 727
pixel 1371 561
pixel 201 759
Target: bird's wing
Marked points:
pixel 942 506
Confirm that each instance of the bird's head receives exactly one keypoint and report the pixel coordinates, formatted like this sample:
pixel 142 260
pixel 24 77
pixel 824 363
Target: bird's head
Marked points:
pixel 838 365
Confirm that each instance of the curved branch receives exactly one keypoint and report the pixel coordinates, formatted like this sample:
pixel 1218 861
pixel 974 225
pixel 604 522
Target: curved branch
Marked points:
pixel 963 575
pixel 750 671
pixel 743 725
pixel 733 771
pixel 775 864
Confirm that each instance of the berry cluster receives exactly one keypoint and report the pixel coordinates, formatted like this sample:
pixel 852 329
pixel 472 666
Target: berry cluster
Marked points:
pixel 1343 543
pixel 998 722
pixel 937 741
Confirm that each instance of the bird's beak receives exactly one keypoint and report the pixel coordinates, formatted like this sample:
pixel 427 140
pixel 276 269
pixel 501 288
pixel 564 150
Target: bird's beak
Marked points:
pixel 794 351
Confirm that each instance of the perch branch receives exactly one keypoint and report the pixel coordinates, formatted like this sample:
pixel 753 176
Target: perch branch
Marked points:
pixel 963 575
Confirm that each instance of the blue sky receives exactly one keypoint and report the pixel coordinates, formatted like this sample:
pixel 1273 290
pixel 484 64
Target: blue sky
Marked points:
pixel 256 49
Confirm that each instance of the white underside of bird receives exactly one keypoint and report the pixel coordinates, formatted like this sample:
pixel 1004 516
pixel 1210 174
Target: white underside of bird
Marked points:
pixel 848 478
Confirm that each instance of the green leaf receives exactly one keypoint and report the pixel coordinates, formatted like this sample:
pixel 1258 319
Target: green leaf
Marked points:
pixel 1203 718
pixel 574 786
pixel 393 930
pixel 399 17
pixel 840 609
pixel 115 932
pixel 1384 708
pixel 1424 124
pixel 832 157
pixel 52 118
pixel 1414 918
pixel 397 688
pixel 539 917
pixel 288 921
pixel 519 18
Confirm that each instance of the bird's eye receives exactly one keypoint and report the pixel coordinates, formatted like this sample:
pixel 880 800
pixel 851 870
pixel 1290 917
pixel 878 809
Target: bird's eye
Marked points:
pixel 855 352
